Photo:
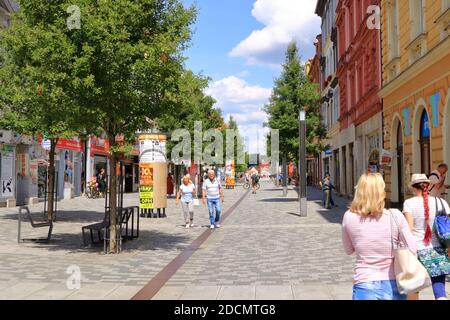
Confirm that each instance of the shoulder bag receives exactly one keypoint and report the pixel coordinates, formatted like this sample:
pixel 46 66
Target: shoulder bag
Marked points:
pixel 442 225
pixel 410 274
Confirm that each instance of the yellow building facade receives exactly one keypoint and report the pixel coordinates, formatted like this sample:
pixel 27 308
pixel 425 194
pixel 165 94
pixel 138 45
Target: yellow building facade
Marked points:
pixel 416 90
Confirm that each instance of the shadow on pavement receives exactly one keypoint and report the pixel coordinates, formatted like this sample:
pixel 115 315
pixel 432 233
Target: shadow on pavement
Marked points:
pixel 79 216
pixel 147 241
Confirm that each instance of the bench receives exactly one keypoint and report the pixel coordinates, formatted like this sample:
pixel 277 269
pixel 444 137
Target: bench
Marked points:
pixel 98 227
pixel 34 224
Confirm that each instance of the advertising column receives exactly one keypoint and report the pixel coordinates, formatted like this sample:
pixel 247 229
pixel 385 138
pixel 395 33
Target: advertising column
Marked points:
pixel 153 173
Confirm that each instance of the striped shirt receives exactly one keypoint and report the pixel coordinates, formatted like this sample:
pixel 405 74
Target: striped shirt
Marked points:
pixel 370 239
pixel 212 188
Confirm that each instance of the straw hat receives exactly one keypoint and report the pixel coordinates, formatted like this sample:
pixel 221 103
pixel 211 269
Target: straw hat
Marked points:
pixel 419 178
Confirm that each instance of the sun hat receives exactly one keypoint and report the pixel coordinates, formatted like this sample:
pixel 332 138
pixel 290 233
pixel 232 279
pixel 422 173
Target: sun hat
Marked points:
pixel 419 178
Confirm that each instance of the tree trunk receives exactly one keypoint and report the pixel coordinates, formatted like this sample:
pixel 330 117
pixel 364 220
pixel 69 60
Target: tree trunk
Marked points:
pixel 285 172
pixel 112 195
pixel 51 181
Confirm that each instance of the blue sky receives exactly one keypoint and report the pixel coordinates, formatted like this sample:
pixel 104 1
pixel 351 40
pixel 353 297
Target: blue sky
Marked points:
pixel 240 44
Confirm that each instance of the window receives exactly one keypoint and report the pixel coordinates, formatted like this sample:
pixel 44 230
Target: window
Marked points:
pixel 417 17
pixel 425 143
pixel 393 34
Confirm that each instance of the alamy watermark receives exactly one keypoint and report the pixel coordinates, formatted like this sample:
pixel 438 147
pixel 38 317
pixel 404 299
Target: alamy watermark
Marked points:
pixel 73 282
pixel 212 146
pixel 374 19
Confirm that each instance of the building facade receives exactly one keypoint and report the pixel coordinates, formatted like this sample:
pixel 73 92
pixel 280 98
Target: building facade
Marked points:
pixel 330 91
pixel 359 74
pixel 314 72
pixel 416 89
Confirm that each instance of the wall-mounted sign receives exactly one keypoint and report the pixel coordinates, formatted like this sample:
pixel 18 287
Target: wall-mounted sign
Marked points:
pixel 7 181
pixel 386 158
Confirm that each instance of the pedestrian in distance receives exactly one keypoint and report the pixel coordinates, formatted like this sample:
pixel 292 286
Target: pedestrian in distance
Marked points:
pixel 367 232
pixel 437 181
pixel 255 179
pixel 186 194
pixel 327 189
pixel 169 185
pixel 420 212
pixel 213 195
pixel 101 180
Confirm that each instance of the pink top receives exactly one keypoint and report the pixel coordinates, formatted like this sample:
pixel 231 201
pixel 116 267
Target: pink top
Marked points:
pixel 370 239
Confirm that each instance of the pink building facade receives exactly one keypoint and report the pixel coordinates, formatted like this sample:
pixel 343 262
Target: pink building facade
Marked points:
pixel 359 76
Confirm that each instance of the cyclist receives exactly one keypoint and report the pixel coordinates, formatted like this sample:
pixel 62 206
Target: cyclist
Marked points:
pixel 255 179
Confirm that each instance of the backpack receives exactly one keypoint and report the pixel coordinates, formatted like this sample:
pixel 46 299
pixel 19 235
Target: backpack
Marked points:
pixel 442 225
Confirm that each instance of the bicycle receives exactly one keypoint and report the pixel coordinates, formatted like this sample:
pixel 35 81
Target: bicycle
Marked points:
pixel 248 185
pixel 92 192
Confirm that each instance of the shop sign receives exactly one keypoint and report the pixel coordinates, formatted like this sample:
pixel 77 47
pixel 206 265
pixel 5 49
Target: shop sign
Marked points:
pixel 146 186
pixel 74 144
pixel 99 146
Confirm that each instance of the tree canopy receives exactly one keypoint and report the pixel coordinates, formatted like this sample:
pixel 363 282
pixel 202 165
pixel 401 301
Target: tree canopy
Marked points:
pixel 292 92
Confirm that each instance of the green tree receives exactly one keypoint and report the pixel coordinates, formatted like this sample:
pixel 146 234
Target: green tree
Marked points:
pixel 37 75
pixel 191 105
pixel 293 91
pixel 129 60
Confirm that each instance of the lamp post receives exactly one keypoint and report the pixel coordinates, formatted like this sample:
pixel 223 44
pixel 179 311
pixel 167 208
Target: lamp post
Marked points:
pixel 302 163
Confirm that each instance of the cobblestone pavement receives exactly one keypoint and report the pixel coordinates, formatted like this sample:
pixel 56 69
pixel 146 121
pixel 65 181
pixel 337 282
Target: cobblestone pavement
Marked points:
pixel 264 250
pixel 38 271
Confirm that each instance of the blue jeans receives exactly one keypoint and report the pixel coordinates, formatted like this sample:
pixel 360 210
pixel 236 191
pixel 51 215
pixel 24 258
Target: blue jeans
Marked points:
pixel 214 204
pixel 377 290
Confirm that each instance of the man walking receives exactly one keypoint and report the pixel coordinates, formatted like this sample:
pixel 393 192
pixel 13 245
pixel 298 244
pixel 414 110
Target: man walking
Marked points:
pixel 327 188
pixel 437 178
pixel 213 193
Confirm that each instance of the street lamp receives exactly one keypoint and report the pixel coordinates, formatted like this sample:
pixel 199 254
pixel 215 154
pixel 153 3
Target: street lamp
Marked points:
pixel 302 163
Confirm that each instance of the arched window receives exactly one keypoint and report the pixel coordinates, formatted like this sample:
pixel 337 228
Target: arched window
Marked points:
pixel 424 141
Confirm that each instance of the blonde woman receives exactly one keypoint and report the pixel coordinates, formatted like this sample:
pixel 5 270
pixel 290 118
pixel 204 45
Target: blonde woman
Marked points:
pixel 366 231
pixel 186 193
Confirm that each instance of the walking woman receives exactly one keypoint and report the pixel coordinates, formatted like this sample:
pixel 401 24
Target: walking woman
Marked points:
pixel 186 193
pixel 420 213
pixel 366 231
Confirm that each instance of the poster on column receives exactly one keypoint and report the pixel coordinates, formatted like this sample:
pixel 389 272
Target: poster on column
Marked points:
pixel 153 167
pixel 7 182
pixel 146 186
pixel 152 148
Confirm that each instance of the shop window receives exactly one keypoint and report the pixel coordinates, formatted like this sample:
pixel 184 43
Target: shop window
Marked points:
pixel 424 142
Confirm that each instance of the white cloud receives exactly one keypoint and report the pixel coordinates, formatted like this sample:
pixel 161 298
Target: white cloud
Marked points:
pixel 237 91
pixel 284 20
pixel 244 102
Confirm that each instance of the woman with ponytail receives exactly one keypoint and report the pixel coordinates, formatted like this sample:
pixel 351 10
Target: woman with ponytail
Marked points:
pixel 420 212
